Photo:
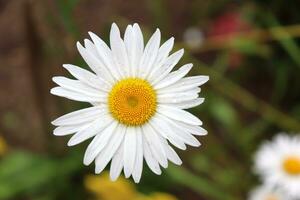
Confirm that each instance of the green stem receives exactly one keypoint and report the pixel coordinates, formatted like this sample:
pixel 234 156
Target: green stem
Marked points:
pixel 284 39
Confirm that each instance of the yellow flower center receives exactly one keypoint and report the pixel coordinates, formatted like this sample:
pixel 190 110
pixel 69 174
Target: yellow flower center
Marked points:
pixel 291 165
pixel 132 101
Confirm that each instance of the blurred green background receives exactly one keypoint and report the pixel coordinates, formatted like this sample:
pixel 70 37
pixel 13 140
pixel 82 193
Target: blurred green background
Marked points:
pixel 250 49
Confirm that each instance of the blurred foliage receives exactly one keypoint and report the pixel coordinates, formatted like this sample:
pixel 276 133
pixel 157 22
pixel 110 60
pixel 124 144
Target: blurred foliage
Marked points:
pixel 24 172
pixel 253 93
pixel 3 146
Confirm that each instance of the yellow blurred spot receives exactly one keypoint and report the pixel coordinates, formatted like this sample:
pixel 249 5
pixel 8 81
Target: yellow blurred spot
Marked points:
pixel 142 197
pixel 271 197
pixel 162 196
pixel 156 196
pixel 3 146
pixel 292 165
pixel 122 189
pixel 105 189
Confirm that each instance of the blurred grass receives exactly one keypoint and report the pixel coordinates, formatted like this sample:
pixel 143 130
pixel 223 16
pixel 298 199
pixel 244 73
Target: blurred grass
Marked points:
pixel 198 184
pixel 236 93
pixel 285 39
pixel 66 9
pixel 24 172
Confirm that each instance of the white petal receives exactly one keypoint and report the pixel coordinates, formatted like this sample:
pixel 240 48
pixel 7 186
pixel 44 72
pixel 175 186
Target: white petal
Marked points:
pixel 186 84
pixel 195 130
pixel 98 143
pixel 195 90
pixel 138 167
pixel 178 97
pixel 131 48
pixel 172 156
pixel 94 63
pixel 117 163
pixel 177 114
pixel 139 38
pixel 188 139
pixel 80 116
pixel 149 158
pixel 139 47
pixel 88 78
pixel 163 53
pixel 134 43
pixel 78 87
pixel 59 91
pixel 91 48
pixel 68 130
pixel 130 143
pixel 183 134
pixel 159 123
pixel 105 55
pixel 102 49
pixel 187 104
pixel 166 68
pixel 155 145
pixel 174 76
pixel 119 51
pixel 150 54
pixel 95 128
pixel 171 153
pixel 107 153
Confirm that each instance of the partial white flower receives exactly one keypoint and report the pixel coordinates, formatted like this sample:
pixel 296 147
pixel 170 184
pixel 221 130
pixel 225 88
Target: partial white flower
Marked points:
pixel 137 103
pixel 267 193
pixel 193 37
pixel 278 163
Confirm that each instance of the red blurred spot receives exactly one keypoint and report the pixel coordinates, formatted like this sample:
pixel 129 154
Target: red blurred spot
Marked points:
pixel 227 24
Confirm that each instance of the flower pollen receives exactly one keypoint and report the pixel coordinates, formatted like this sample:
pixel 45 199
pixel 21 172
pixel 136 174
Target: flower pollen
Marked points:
pixel 132 101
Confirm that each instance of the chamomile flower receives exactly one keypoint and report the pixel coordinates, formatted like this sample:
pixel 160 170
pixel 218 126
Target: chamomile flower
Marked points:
pixel 278 163
pixel 137 103
pixel 267 193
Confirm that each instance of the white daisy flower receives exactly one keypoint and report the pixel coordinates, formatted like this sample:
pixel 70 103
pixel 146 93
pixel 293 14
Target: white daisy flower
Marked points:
pixel 278 163
pixel 137 103
pixel 267 193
